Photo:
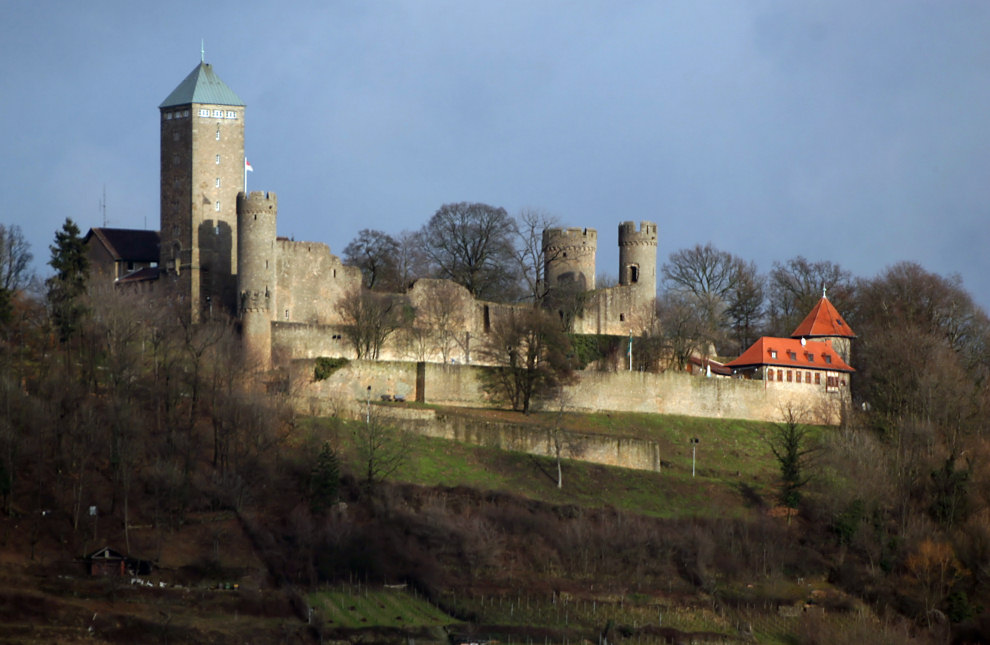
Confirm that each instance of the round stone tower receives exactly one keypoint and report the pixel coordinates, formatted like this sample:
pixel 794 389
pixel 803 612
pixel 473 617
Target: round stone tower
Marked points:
pixel 569 257
pixel 638 258
pixel 256 215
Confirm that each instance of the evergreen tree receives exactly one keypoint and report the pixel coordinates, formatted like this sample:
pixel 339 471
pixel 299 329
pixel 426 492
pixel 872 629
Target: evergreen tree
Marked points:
pixel 66 287
pixel 324 479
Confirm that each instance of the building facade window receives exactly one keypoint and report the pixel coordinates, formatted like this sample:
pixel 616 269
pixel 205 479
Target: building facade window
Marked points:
pixel 218 160
pixel 218 113
pixel 770 374
pixel 204 112
pixel 218 182
pixel 218 133
pixel 790 376
pixel 818 378
pixel 807 377
pixel 217 207
pixel 231 114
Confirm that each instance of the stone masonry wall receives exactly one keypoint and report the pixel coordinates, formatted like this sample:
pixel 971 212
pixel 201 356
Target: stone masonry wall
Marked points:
pixel 667 393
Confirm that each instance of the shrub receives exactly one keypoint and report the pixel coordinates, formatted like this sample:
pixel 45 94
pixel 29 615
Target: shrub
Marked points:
pixel 325 366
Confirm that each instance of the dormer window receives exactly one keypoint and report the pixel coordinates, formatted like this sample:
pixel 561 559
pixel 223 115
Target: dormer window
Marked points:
pixel 811 358
pixel 792 355
pixel 773 353
pixel 828 359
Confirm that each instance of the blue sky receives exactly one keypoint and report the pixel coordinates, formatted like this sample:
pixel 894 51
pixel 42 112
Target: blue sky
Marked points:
pixel 845 131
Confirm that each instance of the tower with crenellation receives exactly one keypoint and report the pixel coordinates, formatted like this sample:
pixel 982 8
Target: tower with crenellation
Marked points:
pixel 202 171
pixel 638 258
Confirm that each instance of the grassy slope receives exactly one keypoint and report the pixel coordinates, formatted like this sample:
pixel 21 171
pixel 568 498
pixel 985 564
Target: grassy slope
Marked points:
pixel 735 474
pixel 733 466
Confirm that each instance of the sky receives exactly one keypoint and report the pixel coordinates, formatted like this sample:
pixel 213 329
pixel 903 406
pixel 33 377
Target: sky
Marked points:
pixel 857 133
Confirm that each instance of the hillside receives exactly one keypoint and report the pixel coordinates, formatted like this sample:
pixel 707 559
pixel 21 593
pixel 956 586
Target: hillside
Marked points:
pixel 484 536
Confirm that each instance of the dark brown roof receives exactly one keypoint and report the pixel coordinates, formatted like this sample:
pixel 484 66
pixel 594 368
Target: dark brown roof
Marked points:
pixel 128 244
pixel 141 275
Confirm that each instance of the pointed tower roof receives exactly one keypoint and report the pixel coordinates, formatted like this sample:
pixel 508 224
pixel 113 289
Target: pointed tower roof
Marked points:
pixel 823 320
pixel 202 86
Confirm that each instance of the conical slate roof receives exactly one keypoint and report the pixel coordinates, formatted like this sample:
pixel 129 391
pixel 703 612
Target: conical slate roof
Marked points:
pixel 823 320
pixel 202 86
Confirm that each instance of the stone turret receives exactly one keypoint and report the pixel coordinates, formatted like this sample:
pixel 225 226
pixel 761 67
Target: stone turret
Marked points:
pixel 569 256
pixel 638 258
pixel 256 218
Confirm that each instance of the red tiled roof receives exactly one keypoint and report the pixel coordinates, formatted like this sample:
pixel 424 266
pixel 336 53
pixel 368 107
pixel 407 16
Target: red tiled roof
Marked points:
pixel 789 352
pixel 823 320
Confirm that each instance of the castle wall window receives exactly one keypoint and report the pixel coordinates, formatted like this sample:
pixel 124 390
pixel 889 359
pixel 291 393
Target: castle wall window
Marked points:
pixel 231 114
pixel 168 116
pixel 218 113
pixel 185 113
pixel 286 314
pixel 218 160
pixel 217 207
pixel 218 186
pixel 218 133
pixel 204 112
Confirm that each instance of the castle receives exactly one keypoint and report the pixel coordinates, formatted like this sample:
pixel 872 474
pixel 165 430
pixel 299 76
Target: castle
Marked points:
pixel 218 252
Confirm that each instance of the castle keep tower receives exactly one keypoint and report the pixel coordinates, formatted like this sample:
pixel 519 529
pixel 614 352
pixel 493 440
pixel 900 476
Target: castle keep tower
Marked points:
pixel 256 215
pixel 638 258
pixel 569 257
pixel 202 171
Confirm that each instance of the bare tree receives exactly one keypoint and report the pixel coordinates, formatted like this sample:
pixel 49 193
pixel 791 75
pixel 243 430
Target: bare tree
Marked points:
pixel 796 285
pixel 411 261
pixel 376 253
pixel 531 253
pixel 682 328
pixel 532 355
pixel 714 280
pixel 370 319
pixel 15 261
pixel 441 317
pixel 745 309
pixel 923 353
pixel 472 244
pixel 381 449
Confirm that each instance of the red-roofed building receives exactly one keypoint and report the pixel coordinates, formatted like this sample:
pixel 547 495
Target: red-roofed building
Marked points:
pixel 821 363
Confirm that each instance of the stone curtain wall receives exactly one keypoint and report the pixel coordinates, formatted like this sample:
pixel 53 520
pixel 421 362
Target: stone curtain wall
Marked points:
pixel 624 452
pixel 667 393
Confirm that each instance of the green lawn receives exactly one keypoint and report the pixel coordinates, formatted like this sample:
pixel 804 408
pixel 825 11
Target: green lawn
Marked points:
pixel 354 607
